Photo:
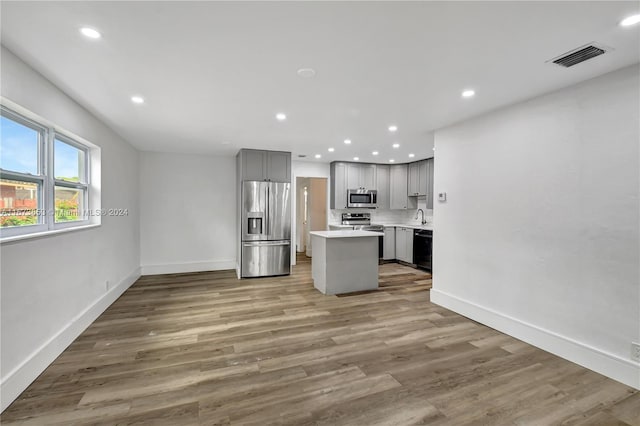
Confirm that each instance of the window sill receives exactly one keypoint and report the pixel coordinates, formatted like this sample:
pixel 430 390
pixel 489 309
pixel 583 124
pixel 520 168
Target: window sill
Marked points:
pixel 43 234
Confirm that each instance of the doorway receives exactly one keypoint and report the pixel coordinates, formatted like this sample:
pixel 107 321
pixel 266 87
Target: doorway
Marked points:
pixel 311 211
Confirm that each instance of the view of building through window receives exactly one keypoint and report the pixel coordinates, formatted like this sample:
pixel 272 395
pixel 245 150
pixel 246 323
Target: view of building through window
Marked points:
pixel 19 152
pixel 23 177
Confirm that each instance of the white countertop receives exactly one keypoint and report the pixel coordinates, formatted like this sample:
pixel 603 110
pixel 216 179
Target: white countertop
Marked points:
pixel 428 226
pixel 347 233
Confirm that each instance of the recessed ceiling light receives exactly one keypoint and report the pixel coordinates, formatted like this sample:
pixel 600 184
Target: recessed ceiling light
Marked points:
pixel 434 148
pixel 306 72
pixel 392 160
pixel 356 158
pixel 468 93
pixel 347 141
pixel 137 99
pixel 90 32
pixel 318 156
pixel 411 155
pixel 375 153
pixel 331 150
pixel 393 128
pixel 396 145
pixel 631 20
pixel 281 116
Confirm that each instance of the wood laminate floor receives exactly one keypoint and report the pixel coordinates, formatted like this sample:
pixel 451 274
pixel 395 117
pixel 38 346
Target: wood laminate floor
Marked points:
pixel 206 348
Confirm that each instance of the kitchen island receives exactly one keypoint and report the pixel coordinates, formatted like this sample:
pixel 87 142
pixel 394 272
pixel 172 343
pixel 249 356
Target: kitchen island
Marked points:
pixel 344 261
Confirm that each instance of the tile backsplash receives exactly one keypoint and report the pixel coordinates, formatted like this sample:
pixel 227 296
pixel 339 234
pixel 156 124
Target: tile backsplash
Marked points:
pixel 381 216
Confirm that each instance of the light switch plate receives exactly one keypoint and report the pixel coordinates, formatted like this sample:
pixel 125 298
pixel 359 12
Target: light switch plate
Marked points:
pixel 442 196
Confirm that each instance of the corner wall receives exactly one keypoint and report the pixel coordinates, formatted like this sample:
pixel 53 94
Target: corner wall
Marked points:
pixel 188 203
pixel 53 287
pixel 539 236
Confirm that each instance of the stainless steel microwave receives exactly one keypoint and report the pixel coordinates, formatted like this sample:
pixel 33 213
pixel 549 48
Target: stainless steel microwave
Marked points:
pixel 362 198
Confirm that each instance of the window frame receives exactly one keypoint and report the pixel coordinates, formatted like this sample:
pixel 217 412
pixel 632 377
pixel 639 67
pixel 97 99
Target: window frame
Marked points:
pixel 47 134
pixel 84 184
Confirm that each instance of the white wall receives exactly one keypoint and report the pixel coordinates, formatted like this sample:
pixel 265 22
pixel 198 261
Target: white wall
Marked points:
pixel 53 287
pixel 305 169
pixel 188 210
pixel 539 235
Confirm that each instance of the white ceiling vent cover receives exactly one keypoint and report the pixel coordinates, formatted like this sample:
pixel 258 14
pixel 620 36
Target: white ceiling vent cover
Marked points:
pixel 580 54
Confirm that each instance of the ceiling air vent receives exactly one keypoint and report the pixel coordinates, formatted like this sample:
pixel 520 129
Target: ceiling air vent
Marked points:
pixel 578 55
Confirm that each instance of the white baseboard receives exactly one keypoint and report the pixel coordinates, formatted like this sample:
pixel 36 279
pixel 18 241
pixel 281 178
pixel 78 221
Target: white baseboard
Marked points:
pixel 185 267
pixel 18 379
pixel 605 363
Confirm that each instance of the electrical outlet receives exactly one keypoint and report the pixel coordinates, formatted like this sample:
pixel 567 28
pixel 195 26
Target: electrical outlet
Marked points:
pixel 106 285
pixel 635 351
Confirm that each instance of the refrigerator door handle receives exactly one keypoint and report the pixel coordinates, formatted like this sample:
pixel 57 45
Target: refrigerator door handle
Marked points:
pixel 268 225
pixel 266 243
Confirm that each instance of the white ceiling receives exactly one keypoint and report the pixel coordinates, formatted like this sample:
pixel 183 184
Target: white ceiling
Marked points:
pixel 219 71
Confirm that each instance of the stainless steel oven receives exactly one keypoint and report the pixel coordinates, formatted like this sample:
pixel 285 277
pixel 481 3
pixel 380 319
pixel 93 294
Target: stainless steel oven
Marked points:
pixel 362 198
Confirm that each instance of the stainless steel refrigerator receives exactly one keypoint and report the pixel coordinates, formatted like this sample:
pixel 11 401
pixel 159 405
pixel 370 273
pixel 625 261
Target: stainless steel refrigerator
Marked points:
pixel 266 229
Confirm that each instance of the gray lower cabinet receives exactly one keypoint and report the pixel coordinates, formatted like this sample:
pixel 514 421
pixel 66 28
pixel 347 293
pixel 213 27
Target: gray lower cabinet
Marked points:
pixel 382 186
pixel 273 166
pixel 404 244
pixel 389 249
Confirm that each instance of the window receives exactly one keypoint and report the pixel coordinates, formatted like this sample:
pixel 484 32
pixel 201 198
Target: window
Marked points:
pixel 70 177
pixel 44 177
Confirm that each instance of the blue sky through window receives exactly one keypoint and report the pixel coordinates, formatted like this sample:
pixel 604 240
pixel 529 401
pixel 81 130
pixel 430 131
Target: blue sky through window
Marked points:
pixel 18 147
pixel 67 160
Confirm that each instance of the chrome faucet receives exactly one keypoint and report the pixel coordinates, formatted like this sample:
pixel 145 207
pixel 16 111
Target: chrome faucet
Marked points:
pixel 421 211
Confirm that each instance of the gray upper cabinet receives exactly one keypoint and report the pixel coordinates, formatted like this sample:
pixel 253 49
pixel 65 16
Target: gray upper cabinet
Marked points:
pixel 338 199
pixel 417 179
pixel 423 178
pixel 274 166
pixel 382 186
pixel 278 166
pixel 254 165
pixel 430 169
pixel 368 176
pixel 413 179
pixel 398 184
pixel 361 176
pixel 353 176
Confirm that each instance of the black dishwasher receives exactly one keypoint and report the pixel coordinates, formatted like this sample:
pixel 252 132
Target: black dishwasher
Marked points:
pixel 422 245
